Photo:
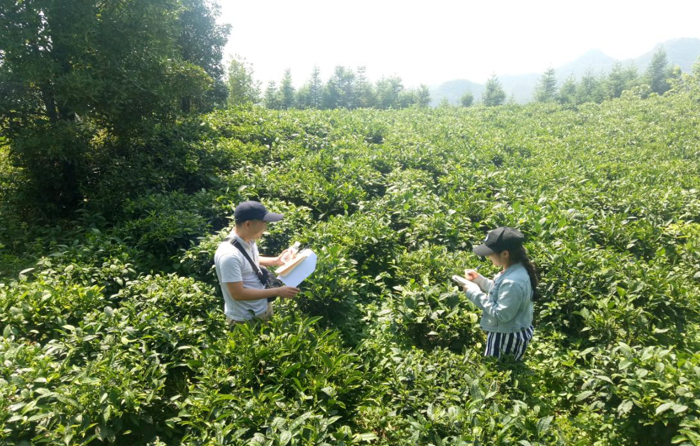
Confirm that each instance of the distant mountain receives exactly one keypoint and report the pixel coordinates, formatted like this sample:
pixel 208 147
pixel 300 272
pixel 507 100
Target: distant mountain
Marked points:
pixel 682 52
pixel 594 59
pixel 454 90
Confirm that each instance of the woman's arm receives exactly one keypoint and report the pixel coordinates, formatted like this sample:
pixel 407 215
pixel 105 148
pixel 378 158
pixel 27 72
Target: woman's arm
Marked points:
pixel 484 283
pixel 506 305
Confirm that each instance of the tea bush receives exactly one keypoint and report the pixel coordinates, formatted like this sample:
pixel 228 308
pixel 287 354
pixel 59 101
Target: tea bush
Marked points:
pixel 112 325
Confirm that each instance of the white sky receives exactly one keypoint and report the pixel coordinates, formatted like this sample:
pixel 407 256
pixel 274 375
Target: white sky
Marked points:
pixel 434 41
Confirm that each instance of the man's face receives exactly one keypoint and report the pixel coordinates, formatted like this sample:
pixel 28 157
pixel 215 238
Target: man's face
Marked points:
pixel 256 228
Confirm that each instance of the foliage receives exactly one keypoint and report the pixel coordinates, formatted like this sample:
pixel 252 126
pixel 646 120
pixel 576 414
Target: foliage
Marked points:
pixel 467 99
pixel 346 89
pixel 113 333
pixel 546 90
pixel 75 76
pixel 494 94
pixel 242 88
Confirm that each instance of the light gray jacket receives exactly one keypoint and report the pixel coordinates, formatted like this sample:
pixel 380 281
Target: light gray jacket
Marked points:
pixel 506 301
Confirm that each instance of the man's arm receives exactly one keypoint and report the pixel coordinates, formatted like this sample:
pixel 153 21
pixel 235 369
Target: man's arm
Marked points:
pixel 270 261
pixel 273 261
pixel 238 292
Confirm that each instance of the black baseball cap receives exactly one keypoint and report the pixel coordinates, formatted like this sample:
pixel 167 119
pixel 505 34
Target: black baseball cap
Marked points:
pixel 254 210
pixel 500 239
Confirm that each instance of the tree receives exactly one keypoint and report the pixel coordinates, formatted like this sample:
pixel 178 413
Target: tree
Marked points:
pixel 340 92
pixel 494 94
pixel 272 97
pixel 657 72
pixel 567 91
pixel 388 92
pixel 201 41
pixel 302 97
pixel 407 98
pixel 423 96
pixel 546 90
pixel 310 95
pixel 589 89
pixel 286 93
pixel 363 90
pixel 674 76
pixel 71 70
pixel 341 89
pixel 316 89
pixel 467 99
pixel 242 88
pixel 621 78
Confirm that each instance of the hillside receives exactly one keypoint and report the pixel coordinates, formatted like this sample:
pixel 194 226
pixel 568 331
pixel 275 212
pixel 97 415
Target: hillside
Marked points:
pixel 682 52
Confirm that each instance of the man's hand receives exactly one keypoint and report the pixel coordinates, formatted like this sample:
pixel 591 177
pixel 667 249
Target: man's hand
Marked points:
pixel 287 292
pixel 286 255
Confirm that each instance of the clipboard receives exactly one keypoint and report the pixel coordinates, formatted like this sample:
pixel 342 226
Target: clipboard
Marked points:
pixel 301 267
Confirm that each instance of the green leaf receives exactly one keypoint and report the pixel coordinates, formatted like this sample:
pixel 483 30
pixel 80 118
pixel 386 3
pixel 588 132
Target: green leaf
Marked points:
pixel 663 408
pixel 543 425
pixel 679 408
pixel 583 395
pixel 604 378
pixel 625 407
pixel 285 437
pixel 366 437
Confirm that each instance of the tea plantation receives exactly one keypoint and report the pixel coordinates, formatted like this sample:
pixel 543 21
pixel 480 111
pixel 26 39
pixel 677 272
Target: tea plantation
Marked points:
pixel 112 323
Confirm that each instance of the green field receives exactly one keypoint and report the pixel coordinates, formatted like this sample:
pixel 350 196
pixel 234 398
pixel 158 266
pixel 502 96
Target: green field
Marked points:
pixel 117 335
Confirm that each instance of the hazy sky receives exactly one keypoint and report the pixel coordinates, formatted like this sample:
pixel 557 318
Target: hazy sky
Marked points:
pixel 434 41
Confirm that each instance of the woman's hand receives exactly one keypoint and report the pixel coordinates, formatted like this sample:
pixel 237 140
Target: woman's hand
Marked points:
pixel 472 288
pixel 472 275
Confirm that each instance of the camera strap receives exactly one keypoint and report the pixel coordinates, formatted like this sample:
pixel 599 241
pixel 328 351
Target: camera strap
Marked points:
pixel 258 271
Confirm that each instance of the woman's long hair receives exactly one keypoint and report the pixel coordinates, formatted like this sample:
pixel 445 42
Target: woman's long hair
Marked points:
pixel 519 255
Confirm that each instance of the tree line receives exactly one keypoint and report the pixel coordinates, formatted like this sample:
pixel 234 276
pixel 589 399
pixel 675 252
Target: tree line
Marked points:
pixel 350 89
pixel 658 78
pixel 347 88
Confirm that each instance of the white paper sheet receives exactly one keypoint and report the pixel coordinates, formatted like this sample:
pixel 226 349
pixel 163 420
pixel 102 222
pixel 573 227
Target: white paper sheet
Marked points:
pixel 302 271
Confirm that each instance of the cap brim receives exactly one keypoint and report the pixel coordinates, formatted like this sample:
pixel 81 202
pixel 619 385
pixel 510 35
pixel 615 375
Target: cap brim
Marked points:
pixel 271 216
pixel 483 250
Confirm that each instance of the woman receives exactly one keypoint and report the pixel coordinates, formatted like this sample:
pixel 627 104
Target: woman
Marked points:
pixel 506 301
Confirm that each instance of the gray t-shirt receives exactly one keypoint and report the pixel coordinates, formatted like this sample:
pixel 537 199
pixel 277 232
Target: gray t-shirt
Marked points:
pixel 231 266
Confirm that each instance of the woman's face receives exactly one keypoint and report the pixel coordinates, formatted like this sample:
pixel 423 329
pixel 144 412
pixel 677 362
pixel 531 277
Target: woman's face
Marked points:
pixel 500 258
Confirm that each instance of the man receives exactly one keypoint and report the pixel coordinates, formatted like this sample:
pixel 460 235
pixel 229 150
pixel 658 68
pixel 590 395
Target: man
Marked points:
pixel 245 296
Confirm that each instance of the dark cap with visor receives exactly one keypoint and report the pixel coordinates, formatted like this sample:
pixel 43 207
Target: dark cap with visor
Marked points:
pixel 254 210
pixel 500 239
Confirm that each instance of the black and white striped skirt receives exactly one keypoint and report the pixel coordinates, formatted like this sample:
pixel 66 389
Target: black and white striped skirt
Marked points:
pixel 498 344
